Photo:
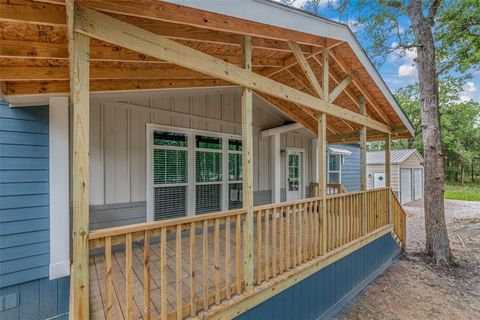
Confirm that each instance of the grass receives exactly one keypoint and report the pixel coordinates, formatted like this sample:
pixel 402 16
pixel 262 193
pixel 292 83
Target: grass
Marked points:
pixel 466 192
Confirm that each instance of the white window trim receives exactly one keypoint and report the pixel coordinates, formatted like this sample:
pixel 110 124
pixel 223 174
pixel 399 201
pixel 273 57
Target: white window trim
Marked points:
pixel 59 188
pixel 150 127
pixel 337 171
pixel 303 173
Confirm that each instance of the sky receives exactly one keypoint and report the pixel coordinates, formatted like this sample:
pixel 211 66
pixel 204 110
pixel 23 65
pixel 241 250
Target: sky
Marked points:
pixel 398 70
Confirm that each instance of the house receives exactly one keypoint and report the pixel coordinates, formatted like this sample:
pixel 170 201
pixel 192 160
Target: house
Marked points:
pixel 157 159
pixel 406 174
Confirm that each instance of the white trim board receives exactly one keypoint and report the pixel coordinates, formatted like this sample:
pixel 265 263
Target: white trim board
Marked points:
pixel 59 188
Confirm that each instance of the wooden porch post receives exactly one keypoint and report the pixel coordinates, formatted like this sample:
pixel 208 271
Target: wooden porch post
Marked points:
pixel 363 166
pixel 79 59
pixel 247 135
pixel 388 179
pixel 322 153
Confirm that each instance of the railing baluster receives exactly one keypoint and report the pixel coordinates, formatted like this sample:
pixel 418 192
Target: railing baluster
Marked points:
pixel 179 277
pixel 227 257
pixel 205 264
pixel 146 273
pixel 238 231
pixel 216 253
pixel 294 234
pixel 267 245
pixel 108 277
pixel 259 246
pixel 282 253
pixel 163 272
pixel 128 276
pixel 288 212
pixel 192 269
pixel 274 242
pixel 300 234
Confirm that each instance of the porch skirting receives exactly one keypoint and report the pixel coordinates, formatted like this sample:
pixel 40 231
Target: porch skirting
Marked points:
pixel 325 293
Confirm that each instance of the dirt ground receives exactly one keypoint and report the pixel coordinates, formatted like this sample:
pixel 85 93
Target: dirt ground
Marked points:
pixel 413 288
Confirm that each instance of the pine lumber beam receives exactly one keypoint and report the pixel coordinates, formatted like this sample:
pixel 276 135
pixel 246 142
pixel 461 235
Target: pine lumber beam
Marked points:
pixel 307 70
pixel 339 88
pixel 106 28
pixel 247 158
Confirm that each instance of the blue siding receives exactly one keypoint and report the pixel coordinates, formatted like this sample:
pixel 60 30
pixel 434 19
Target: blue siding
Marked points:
pixel 38 299
pixel 24 218
pixel 324 293
pixel 351 167
pixel 24 199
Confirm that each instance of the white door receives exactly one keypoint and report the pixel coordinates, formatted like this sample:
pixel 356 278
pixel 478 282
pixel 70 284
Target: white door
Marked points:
pixel 418 183
pixel 294 175
pixel 379 179
pixel 405 185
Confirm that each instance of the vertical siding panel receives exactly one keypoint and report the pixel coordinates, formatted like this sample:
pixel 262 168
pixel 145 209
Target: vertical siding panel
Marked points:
pixel 109 154
pixel 96 161
pixel 122 139
pixel 48 298
pixel 30 292
pixel 214 111
pixel 137 136
pixel 199 108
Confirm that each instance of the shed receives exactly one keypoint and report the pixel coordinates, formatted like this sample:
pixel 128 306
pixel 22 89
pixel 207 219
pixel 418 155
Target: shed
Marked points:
pixel 407 173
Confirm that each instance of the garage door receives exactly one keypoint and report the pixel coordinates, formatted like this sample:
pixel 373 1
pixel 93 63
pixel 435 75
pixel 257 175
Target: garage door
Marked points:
pixel 418 184
pixel 405 185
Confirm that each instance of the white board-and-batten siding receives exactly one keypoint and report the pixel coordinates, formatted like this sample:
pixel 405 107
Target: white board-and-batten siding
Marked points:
pixel 118 144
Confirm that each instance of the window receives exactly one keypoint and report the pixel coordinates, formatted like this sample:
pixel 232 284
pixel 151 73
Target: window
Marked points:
pixel 235 189
pixel 192 172
pixel 208 191
pixel 170 174
pixel 334 168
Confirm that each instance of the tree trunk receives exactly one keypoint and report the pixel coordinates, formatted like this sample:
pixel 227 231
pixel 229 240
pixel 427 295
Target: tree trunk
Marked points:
pixel 437 242
pixel 473 171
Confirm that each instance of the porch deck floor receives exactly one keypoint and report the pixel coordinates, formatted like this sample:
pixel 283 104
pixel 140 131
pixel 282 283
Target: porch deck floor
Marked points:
pixel 97 277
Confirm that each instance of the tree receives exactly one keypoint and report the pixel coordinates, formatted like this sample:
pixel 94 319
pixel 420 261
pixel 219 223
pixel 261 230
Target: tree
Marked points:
pixel 380 23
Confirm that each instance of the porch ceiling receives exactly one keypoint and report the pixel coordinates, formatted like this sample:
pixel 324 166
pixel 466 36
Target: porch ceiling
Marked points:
pixel 34 58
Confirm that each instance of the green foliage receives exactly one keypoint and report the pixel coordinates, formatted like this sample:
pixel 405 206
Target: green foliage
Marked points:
pixel 460 124
pixel 458 35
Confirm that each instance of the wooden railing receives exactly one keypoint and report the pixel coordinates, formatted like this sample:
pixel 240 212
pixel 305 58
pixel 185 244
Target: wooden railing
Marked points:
pixel 187 266
pixel 399 218
pixel 332 188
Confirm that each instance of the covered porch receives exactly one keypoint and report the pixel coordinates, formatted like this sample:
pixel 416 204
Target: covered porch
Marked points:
pixel 187 261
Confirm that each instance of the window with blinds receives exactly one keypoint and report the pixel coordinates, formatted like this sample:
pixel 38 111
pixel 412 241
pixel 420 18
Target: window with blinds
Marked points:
pixel 235 198
pixel 170 174
pixel 208 167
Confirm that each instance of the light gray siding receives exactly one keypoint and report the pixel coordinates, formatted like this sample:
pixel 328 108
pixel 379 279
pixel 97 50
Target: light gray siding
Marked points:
pixel 351 167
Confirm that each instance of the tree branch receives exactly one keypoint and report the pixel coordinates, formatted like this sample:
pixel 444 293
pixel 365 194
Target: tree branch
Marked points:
pixel 394 4
pixel 432 11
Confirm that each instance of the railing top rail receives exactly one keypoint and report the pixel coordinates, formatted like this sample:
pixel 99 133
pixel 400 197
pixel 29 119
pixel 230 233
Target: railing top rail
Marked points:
pixel 144 226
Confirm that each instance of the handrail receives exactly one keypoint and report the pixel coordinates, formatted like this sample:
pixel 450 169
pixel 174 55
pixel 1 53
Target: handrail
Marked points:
pixel 286 236
pixel 399 220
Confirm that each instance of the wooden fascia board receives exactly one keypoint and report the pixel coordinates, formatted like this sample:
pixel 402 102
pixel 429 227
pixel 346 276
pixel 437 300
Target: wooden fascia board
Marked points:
pixel 104 27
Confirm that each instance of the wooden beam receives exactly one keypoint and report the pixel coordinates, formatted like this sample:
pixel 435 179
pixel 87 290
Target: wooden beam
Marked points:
pixel 358 83
pixel 51 50
pixel 62 73
pixel 79 46
pixel 307 70
pixel 47 87
pixel 109 29
pixel 27 11
pixel 339 88
pixel 363 166
pixel 322 155
pixel 247 155
pixel 280 129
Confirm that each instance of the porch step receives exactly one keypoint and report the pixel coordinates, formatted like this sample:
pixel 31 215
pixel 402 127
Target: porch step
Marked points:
pixel 397 239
